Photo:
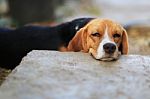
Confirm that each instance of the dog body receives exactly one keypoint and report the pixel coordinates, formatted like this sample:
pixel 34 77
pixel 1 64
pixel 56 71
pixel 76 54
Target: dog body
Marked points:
pixel 103 38
pixel 16 43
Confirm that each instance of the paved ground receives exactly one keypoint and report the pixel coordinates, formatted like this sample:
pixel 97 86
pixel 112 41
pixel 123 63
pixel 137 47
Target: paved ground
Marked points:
pixel 125 11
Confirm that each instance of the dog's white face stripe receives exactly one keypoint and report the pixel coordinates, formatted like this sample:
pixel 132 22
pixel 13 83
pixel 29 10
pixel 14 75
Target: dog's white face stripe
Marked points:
pixel 106 39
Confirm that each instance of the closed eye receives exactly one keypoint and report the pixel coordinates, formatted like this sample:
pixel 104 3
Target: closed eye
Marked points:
pixel 96 34
pixel 116 35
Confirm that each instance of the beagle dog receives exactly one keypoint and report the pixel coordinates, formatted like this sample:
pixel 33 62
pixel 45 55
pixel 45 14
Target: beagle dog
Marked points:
pixel 104 39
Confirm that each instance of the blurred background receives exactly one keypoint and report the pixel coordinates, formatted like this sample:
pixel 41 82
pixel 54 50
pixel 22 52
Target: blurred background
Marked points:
pixel 133 14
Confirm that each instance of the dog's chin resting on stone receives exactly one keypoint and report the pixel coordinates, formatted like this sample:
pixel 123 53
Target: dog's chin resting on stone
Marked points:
pixel 109 58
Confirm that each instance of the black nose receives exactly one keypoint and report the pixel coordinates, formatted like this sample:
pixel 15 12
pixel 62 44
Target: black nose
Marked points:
pixel 109 48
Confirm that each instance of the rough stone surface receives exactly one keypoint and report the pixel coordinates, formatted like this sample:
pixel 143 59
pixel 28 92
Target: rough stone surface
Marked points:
pixel 69 75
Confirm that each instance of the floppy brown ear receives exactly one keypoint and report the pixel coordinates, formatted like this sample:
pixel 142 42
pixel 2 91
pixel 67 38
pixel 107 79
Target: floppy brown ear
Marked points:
pixel 79 42
pixel 124 47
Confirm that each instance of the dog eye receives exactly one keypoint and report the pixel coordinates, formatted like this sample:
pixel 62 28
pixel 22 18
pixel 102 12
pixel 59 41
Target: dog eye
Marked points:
pixel 96 34
pixel 116 35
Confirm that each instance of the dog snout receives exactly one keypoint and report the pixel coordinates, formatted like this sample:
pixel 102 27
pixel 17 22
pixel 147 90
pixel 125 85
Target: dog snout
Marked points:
pixel 109 48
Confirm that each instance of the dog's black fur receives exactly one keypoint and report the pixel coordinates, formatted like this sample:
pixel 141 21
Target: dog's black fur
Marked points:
pixel 16 43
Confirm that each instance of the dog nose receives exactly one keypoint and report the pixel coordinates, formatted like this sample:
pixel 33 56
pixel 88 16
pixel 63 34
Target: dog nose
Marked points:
pixel 109 48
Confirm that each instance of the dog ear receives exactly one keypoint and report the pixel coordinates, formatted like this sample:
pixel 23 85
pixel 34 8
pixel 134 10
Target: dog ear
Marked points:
pixel 124 47
pixel 79 41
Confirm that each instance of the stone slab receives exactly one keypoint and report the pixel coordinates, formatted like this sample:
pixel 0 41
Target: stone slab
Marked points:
pixel 76 75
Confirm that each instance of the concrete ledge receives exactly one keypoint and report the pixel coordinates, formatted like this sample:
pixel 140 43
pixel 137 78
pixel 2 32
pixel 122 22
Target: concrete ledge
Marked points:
pixel 69 75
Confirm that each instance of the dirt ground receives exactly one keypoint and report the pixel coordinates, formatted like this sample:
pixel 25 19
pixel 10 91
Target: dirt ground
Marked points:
pixel 139 40
pixel 3 74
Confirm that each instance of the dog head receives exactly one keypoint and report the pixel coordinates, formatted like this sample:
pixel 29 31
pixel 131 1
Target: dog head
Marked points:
pixel 103 38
